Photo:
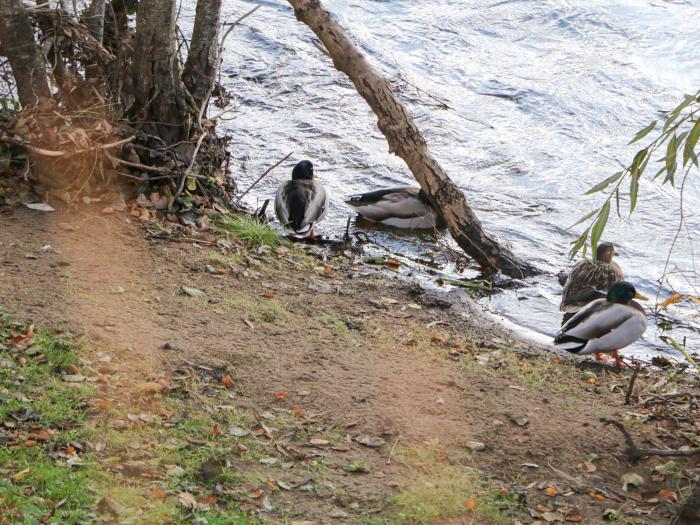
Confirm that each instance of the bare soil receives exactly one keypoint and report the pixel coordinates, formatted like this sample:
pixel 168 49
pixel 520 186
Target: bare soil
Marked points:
pixel 357 354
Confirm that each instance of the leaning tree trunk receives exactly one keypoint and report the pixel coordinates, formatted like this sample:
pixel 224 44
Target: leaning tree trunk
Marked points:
pixel 203 57
pixel 162 103
pixel 406 141
pixel 19 46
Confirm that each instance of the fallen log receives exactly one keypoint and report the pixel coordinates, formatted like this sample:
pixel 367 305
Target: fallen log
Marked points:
pixel 406 141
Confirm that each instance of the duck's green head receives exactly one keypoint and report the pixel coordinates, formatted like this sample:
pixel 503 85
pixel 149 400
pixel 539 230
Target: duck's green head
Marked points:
pixel 304 170
pixel 622 293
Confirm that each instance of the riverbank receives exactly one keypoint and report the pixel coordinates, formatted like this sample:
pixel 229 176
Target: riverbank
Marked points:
pixel 224 382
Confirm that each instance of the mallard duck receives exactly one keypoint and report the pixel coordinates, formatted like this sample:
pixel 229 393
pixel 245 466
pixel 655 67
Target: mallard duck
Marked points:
pixel 605 325
pixel 404 207
pixel 301 202
pixel 590 280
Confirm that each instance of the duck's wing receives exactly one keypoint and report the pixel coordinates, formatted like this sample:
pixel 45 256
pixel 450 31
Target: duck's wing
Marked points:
pixel 317 203
pixel 281 207
pixel 401 203
pixel 595 320
pixel 588 281
pixel 619 337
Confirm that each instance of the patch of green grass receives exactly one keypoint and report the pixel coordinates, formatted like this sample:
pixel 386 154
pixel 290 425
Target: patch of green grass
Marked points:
pixel 35 400
pixel 439 490
pixel 250 231
pixel 332 321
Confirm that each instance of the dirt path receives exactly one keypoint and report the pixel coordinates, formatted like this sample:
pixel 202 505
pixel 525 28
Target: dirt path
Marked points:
pixel 366 386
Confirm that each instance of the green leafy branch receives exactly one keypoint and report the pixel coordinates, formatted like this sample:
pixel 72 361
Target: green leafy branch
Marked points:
pixel 679 134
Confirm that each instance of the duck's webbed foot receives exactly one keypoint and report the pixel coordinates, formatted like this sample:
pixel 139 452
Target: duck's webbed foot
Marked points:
pixel 618 360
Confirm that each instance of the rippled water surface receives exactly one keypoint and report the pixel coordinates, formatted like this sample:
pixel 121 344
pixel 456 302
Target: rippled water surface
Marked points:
pixel 557 87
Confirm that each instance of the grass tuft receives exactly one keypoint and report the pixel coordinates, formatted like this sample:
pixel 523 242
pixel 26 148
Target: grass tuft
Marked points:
pixel 440 490
pixel 250 231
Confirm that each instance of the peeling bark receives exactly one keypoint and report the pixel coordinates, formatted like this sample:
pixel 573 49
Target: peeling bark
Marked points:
pixel 163 106
pixel 406 141
pixel 203 57
pixel 23 53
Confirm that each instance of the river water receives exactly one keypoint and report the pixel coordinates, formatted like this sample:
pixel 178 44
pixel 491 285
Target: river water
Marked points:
pixel 544 97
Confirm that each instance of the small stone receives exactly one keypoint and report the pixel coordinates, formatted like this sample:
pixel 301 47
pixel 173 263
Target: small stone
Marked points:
pixel 192 292
pixel 476 446
pixel 369 441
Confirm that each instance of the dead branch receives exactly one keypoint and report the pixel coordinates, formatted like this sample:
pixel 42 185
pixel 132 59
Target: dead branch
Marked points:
pixel 635 453
pixel 61 153
pixel 628 395
pixel 268 170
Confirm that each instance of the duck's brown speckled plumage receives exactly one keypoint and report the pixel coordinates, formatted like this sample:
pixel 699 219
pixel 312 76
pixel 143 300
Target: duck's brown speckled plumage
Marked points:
pixel 590 280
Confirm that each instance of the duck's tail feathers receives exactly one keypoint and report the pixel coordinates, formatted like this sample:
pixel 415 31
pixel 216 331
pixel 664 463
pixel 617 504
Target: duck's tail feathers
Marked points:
pixel 570 343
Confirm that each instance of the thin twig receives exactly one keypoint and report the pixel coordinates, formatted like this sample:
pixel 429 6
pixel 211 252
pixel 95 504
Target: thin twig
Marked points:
pixel 631 385
pixel 634 452
pixel 261 177
pixel 138 165
pixel 391 452
pixel 186 174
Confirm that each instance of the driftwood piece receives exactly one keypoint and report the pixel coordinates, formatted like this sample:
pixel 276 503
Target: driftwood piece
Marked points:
pixel 635 453
pixel 406 141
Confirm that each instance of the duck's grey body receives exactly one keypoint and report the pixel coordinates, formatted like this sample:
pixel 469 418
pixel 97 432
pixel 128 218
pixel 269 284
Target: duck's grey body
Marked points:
pixel 405 207
pixel 604 325
pixel 302 201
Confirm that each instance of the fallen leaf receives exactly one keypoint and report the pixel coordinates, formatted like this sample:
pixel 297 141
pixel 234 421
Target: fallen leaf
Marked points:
pixel 522 438
pixel 40 206
pixel 470 504
pixel 392 263
pixel 318 442
pixel 216 430
pixel 256 493
pixel 551 491
pixel 668 468
pixel 596 495
pixel 187 500
pixel 574 518
pixel 21 474
pixel 23 339
pixel 70 450
pixel 673 299
pixel 267 294
pixel 157 493
pixel 227 381
pixel 298 411
pixel 587 466
pixel 667 494
pixel 108 210
pixel 281 395
pixel 591 380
